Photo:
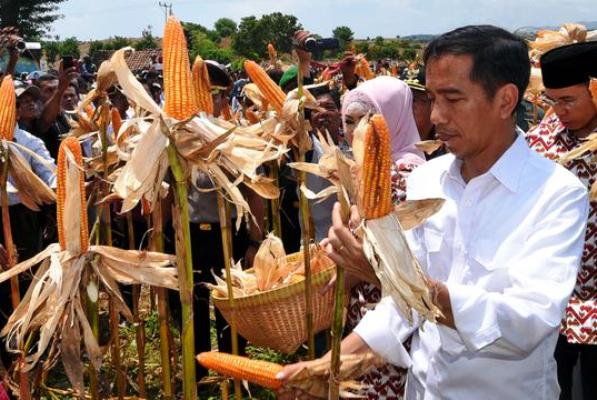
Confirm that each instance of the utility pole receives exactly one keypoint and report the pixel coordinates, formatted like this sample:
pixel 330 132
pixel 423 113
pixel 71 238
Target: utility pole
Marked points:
pixel 167 9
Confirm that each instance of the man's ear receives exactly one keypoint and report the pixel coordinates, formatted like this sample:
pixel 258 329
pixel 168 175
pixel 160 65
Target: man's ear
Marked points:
pixel 506 99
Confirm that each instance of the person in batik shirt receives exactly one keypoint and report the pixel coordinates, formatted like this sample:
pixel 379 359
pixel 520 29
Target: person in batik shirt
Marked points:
pixel 566 72
pixel 393 99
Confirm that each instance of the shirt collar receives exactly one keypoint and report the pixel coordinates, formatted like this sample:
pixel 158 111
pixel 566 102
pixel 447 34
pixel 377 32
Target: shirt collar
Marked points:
pixel 507 169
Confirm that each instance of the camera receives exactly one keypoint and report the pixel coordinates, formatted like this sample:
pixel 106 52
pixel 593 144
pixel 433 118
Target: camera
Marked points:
pixel 20 45
pixel 314 45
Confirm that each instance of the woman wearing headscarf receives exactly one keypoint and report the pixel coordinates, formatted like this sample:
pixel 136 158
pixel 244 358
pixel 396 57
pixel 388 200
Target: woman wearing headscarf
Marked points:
pixel 393 99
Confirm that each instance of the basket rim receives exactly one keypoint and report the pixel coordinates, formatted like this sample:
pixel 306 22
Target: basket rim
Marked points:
pixel 276 294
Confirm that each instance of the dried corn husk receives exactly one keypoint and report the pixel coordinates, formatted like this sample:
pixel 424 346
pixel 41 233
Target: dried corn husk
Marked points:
pixel 203 144
pixel 273 272
pixel 266 261
pixel 569 33
pixel 32 191
pixel 396 268
pixel 51 310
pixel 314 378
pixel 429 146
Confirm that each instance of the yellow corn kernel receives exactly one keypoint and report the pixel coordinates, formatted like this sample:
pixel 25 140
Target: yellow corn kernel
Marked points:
pixel 180 98
pixel 270 90
pixel 8 109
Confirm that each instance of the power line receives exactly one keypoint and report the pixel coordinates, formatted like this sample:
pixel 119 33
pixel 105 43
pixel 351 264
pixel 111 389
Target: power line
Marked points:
pixel 167 9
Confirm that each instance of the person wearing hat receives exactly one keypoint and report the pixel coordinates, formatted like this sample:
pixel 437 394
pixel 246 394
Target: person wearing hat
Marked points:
pixel 28 226
pixel 415 79
pixel 566 72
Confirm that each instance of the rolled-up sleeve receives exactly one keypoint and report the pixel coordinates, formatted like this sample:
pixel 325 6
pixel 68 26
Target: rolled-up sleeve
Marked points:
pixel 542 275
pixel 384 330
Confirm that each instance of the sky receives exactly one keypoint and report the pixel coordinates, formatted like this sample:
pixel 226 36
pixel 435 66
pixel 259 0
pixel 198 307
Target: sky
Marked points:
pixel 87 19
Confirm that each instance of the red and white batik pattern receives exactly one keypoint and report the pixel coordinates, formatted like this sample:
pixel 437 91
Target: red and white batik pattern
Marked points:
pixel 552 140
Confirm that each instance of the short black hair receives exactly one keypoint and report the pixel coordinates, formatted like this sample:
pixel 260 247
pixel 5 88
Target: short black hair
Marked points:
pixel 499 57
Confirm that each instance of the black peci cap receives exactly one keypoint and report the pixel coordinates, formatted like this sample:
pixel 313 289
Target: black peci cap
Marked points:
pixel 569 65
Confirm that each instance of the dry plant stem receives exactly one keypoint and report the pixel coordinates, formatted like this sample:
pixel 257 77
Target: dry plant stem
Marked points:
pixel 15 296
pixel 275 203
pixel 226 231
pixel 337 322
pixel 306 229
pixel 185 273
pixel 139 325
pixel 157 244
pixel 106 230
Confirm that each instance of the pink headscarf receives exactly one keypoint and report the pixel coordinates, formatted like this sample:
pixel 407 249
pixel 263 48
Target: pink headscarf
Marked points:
pixel 393 99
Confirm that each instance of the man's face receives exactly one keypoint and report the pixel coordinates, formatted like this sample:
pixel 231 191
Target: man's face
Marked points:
pixel 463 114
pixel 29 107
pixel 48 88
pixel 328 120
pixel 69 99
pixel 422 113
pixel 573 106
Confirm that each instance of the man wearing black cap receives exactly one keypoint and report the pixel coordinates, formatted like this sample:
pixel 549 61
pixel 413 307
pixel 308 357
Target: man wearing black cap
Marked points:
pixel 566 72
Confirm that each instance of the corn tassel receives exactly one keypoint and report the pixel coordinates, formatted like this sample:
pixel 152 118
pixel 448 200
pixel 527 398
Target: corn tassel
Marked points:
pixel 72 144
pixel 202 86
pixel 376 194
pixel 272 92
pixel 180 101
pixel 262 373
pixel 8 109
pixel 116 121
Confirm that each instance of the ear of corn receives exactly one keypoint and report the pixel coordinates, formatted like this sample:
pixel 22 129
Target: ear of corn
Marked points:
pixel 202 86
pixel 70 144
pixel 363 69
pixel 376 191
pixel 180 101
pixel 273 55
pixel 8 109
pixel 262 373
pixel 116 121
pixel 272 92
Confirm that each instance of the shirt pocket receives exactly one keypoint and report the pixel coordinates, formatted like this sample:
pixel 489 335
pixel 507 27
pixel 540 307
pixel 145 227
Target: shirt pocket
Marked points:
pixel 487 266
pixel 436 257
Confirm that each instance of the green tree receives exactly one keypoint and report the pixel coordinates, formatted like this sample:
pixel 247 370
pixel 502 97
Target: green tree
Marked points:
pixel 33 17
pixel 202 45
pixel 95 45
pixel 69 47
pixel 344 35
pixel 225 27
pixel 254 34
pixel 52 49
pixel 147 40
pixel 117 43
pixel 409 54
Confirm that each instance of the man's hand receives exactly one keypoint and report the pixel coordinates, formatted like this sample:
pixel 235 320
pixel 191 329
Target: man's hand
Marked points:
pixel 441 298
pixel 303 55
pixel 66 76
pixel 345 249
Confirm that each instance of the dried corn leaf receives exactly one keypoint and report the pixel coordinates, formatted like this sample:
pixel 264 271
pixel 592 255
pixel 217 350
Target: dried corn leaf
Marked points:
pixel 429 146
pixel 589 146
pixel 314 378
pixel 397 269
pixel 412 213
pixel 32 191
pixel 269 254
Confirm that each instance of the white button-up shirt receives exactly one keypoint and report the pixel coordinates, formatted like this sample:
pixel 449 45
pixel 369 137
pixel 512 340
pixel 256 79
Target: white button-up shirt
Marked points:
pixel 507 244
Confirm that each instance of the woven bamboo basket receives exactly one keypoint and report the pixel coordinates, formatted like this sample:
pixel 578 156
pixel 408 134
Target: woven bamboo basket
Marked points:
pixel 277 318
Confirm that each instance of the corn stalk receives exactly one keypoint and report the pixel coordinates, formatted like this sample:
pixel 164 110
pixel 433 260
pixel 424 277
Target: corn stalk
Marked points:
pixel 275 203
pixel 226 231
pixel 185 272
pixel 158 245
pixel 306 225
pixel 15 296
pixel 139 325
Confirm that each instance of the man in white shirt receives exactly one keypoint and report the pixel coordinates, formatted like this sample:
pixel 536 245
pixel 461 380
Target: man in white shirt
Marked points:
pixel 501 255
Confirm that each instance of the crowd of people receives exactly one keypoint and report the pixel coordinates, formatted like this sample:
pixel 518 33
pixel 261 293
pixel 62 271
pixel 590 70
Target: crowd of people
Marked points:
pixel 511 258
